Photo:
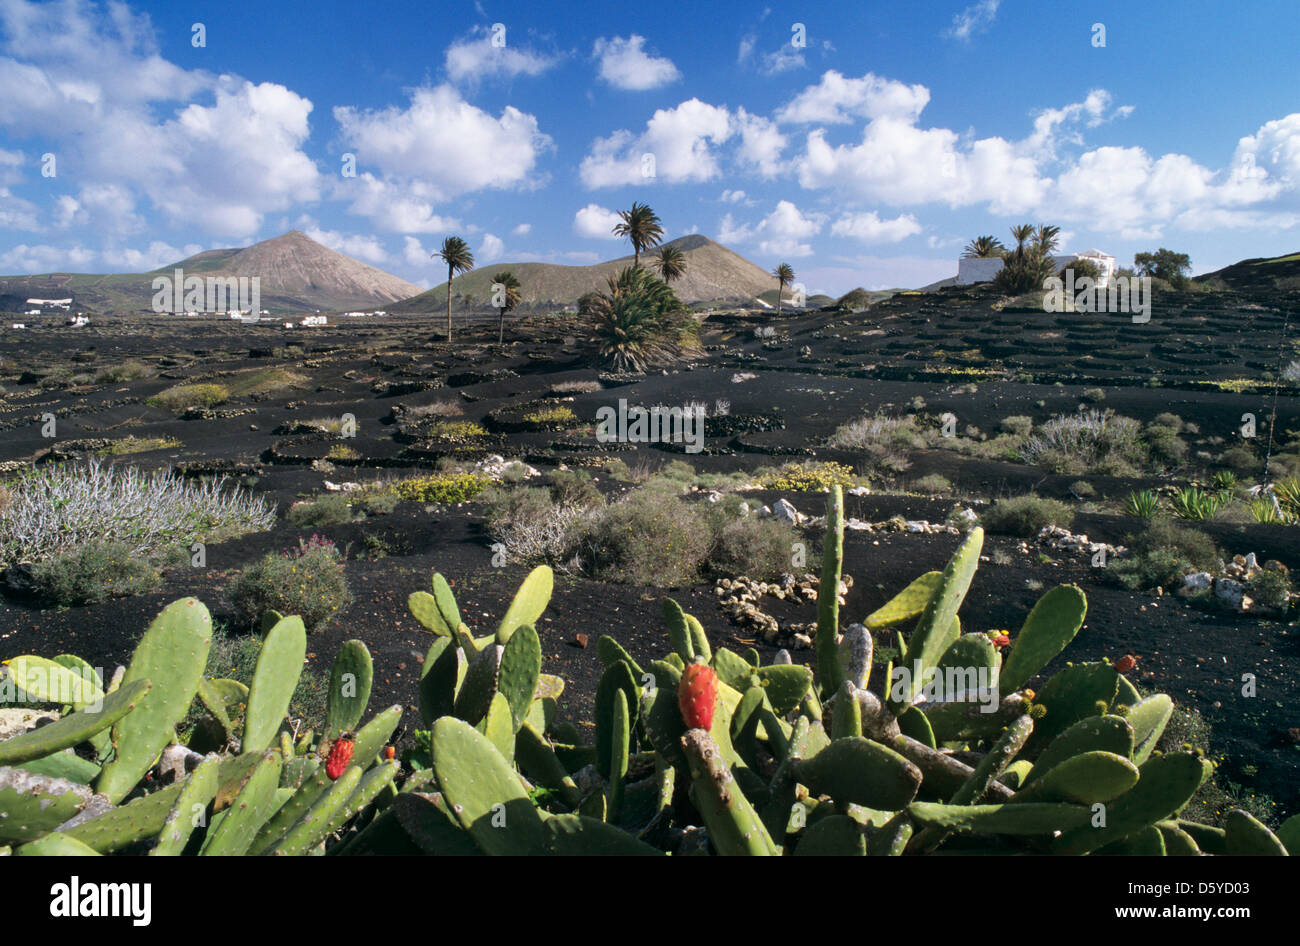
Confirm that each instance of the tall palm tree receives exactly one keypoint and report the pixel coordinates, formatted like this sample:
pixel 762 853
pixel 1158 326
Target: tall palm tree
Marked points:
pixel 784 276
pixel 642 227
pixel 510 296
pixel 456 254
pixel 671 263
pixel 983 247
pixel 1021 234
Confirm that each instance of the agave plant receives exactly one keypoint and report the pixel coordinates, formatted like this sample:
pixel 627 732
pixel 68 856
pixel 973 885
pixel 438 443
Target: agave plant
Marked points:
pixel 1197 504
pixel 1287 491
pixel 638 321
pixel 1142 505
pixel 1264 511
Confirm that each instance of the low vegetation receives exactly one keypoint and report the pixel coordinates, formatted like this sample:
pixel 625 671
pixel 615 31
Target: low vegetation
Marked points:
pixel 58 507
pixel 184 396
pixel 1025 516
pixel 308 581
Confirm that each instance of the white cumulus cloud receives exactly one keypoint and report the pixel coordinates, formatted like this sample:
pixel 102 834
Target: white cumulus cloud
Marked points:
pixel 624 64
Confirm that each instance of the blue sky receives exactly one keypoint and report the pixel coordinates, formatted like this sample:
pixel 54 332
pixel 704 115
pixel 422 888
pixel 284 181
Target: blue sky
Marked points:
pixel 862 143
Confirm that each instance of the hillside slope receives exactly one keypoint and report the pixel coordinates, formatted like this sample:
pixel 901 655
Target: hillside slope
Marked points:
pixel 297 275
pixel 713 274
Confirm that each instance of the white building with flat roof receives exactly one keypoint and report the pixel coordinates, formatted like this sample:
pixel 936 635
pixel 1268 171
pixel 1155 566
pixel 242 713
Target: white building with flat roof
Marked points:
pixel 983 269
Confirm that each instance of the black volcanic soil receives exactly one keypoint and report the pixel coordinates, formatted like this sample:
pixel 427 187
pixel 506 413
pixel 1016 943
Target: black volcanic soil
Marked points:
pixel 1203 356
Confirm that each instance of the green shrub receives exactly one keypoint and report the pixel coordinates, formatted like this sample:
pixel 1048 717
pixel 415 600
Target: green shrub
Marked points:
pixel 933 483
pixel 1241 459
pixel 758 548
pixel 808 477
pixel 1162 554
pixel 1019 425
pixel 307 581
pixel 380 504
pixel 130 371
pixel 1094 395
pixel 330 509
pixel 1087 442
pixel 442 487
pixel 234 657
pixel 1025 516
pixel 94 573
pixel 575 487
pixel 1270 589
pixel 644 540
pixel 185 396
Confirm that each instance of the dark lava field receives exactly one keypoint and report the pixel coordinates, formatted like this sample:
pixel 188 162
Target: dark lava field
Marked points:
pixel 1208 357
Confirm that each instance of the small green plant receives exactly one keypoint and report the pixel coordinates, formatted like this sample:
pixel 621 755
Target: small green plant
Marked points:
pixel 1094 395
pixel 1143 504
pixel 1224 481
pixel 343 452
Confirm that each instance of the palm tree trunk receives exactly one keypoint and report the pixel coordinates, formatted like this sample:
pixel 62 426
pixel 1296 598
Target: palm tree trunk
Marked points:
pixel 449 272
pixel 779 286
pixel 501 326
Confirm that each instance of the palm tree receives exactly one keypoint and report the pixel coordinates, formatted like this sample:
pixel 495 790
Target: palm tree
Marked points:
pixel 509 289
pixel 456 254
pixel 1021 234
pixel 1046 239
pixel 784 276
pixel 639 321
pixel 983 247
pixel 671 263
pixel 641 226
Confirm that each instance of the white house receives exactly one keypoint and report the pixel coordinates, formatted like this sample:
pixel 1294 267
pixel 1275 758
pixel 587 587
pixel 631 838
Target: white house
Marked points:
pixel 971 271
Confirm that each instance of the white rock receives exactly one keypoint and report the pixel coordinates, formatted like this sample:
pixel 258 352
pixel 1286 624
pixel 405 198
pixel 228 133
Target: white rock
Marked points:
pixel 859 491
pixel 784 511
pixel 763 512
pixel 1229 591
pixel 1198 581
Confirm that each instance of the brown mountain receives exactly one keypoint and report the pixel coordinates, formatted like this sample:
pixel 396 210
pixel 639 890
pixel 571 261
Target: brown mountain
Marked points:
pixel 297 275
pixel 713 274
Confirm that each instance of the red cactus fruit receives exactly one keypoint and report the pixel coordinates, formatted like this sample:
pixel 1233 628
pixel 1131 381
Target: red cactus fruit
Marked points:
pixel 340 755
pixel 1000 639
pixel 1126 663
pixel 696 696
pixel 389 753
